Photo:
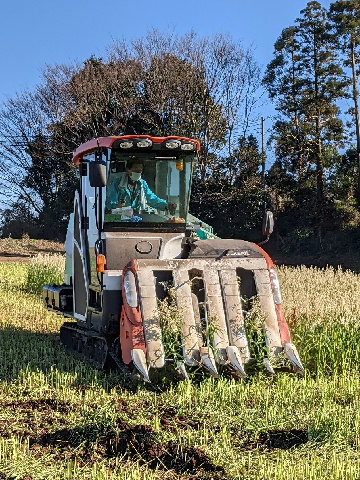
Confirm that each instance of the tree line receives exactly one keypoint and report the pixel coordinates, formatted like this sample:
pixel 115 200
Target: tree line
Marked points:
pixel 313 82
pixel 210 89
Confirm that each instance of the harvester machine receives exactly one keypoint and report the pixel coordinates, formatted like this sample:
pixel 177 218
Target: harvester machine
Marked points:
pixel 131 243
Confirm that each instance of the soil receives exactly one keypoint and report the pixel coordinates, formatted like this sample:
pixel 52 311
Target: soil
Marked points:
pixel 170 420
pixel 24 249
pixel 283 439
pixel 126 441
pixel 271 440
pixel 3 476
pixel 46 404
pixel 346 261
pixel 25 418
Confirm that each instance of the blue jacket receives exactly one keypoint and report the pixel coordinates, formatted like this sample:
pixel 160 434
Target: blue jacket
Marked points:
pixel 138 198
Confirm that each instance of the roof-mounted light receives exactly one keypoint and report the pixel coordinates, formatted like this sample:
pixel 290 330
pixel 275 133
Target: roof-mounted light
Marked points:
pixel 188 146
pixel 172 144
pixel 144 143
pixel 126 144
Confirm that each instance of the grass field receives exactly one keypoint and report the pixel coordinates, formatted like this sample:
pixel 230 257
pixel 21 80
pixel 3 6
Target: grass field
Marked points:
pixel 60 419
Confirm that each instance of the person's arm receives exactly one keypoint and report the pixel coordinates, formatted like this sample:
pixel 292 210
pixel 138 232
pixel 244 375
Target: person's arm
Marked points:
pixel 153 200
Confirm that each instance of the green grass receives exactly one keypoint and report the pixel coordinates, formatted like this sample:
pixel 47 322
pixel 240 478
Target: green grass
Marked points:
pixel 42 270
pixel 60 419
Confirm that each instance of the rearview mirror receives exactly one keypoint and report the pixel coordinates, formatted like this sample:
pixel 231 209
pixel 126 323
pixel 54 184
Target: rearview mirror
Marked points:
pixel 268 224
pixel 97 174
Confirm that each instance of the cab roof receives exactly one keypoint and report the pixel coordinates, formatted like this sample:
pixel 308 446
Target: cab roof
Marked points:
pixel 108 142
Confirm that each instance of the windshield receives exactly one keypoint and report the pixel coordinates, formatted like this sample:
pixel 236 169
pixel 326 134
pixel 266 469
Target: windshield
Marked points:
pixel 148 189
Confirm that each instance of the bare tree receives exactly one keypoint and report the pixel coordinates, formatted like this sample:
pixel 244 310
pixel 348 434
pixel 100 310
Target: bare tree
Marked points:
pixel 33 177
pixel 219 73
pixel 20 121
pixel 162 84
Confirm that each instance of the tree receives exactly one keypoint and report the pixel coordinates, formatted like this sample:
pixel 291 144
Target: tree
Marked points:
pixel 33 176
pixel 54 180
pixel 345 16
pixel 305 80
pixel 86 101
pixel 217 75
pixel 284 83
pixel 233 199
pixel 20 120
pixel 160 84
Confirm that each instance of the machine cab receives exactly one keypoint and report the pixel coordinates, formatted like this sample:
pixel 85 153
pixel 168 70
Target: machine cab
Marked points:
pixel 148 182
pixel 136 183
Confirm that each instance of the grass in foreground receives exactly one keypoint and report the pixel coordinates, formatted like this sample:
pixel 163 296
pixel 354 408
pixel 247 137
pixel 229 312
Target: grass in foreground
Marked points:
pixel 60 419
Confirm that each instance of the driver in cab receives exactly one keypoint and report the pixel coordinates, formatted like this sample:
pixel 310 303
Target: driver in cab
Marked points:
pixel 130 190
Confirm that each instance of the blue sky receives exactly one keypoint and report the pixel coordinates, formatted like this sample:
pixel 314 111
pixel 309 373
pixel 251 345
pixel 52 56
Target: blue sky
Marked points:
pixel 37 33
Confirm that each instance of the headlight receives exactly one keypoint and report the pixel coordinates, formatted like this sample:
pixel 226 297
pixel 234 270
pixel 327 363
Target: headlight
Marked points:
pixel 144 143
pixel 275 287
pixel 172 144
pixel 130 289
pixel 126 144
pixel 188 146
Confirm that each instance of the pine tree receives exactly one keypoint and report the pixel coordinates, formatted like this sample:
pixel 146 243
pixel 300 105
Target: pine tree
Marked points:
pixel 305 80
pixel 345 17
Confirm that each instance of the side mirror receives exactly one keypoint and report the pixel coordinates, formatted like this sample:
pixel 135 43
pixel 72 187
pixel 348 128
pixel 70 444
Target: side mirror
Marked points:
pixel 97 173
pixel 268 224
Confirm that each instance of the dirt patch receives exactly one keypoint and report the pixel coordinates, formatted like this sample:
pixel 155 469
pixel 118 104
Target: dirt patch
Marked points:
pixel 23 249
pixel 283 439
pixel 141 440
pixel 47 404
pixel 31 417
pixel 5 258
pixel 336 252
pixel 129 442
pixel 344 400
pixel 172 421
pixel 271 440
pixel 3 476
